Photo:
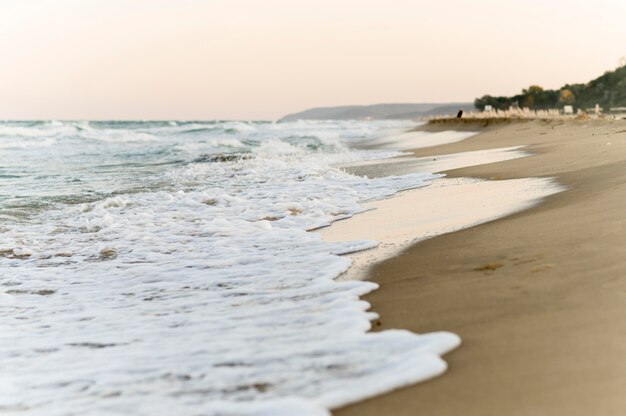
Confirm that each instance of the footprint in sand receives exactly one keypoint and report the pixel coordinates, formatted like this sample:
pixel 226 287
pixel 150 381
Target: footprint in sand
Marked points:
pixel 489 267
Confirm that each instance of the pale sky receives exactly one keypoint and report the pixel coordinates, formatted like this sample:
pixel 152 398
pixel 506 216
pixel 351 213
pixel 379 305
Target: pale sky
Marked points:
pixel 261 59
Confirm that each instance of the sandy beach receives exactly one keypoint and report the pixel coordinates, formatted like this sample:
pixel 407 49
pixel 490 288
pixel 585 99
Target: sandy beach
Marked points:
pixel 538 297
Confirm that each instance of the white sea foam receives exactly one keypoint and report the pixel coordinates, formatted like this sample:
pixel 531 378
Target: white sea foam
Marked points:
pixel 445 206
pixel 118 136
pixel 23 143
pixel 46 130
pixel 419 139
pixel 199 290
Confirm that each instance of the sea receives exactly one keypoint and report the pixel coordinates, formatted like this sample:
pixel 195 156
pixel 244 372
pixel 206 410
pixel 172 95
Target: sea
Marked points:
pixel 171 268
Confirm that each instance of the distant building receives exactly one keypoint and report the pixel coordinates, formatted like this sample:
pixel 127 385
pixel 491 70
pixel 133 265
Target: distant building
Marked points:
pixel 568 109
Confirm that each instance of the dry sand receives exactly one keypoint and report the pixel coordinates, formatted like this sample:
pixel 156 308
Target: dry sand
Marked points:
pixel 539 297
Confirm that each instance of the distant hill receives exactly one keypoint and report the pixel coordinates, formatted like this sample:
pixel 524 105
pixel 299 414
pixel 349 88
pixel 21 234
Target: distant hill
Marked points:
pixel 608 90
pixel 378 111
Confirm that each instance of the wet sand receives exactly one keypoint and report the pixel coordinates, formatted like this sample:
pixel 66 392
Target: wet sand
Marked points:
pixel 539 297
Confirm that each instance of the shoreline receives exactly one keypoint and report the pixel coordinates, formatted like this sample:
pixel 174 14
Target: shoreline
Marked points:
pixel 517 289
pixel 442 206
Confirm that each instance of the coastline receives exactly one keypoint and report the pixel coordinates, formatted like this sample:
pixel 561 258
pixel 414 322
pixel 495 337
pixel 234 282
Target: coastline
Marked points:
pixel 537 296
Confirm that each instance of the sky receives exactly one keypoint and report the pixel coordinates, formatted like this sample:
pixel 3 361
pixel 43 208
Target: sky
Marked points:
pixel 262 59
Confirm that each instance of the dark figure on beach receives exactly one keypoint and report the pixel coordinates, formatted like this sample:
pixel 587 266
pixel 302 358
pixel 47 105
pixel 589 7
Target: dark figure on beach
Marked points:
pixel 459 114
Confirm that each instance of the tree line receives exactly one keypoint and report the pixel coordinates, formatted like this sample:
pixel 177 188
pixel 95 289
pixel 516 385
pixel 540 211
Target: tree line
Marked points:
pixel 608 90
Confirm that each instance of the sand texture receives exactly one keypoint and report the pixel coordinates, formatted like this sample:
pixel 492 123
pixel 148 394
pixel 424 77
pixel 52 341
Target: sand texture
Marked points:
pixel 539 297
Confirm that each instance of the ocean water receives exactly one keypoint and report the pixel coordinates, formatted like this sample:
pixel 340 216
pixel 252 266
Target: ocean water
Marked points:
pixel 161 268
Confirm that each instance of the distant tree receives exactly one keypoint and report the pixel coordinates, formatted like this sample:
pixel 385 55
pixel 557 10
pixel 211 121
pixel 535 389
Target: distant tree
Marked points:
pixel 499 103
pixel 566 97
pixel 532 90
pixel 479 103
pixel 533 97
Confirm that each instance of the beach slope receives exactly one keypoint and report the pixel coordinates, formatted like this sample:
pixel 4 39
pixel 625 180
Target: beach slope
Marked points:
pixel 539 297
